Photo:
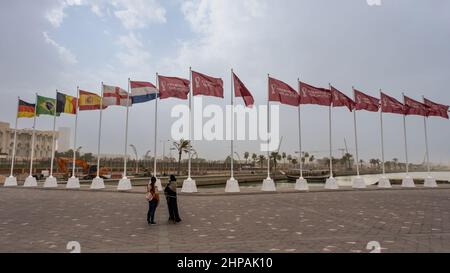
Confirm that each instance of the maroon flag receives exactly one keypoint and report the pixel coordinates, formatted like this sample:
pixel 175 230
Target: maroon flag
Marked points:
pixel 314 95
pixel 241 91
pixel 172 87
pixel 414 107
pixel 391 105
pixel 340 99
pixel 282 92
pixel 206 85
pixel 436 109
pixel 366 102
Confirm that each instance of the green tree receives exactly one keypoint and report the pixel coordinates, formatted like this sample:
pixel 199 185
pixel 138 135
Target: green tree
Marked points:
pixel 183 146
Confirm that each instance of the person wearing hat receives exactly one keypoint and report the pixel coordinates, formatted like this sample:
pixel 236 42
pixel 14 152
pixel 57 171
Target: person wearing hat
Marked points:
pixel 171 196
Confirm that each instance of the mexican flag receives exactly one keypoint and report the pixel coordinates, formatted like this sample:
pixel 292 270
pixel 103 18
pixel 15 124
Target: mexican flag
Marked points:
pixel 45 106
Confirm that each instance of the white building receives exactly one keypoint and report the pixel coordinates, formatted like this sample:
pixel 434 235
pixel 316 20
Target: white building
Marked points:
pixel 63 141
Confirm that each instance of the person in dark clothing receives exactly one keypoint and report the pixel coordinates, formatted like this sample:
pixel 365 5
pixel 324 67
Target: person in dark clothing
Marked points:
pixel 171 197
pixel 153 201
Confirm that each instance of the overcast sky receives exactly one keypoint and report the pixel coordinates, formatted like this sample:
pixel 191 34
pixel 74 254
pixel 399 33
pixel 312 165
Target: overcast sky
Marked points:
pixel 400 46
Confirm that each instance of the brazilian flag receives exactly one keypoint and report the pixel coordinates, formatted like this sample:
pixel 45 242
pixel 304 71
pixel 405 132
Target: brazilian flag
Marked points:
pixel 45 106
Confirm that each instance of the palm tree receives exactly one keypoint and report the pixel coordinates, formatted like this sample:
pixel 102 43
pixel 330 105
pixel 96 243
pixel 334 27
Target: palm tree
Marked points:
pixel 294 161
pixel 275 156
pixel 183 146
pixel 311 158
pixel 283 155
pixel 261 160
pixel 395 160
pixel 254 157
pixel 289 158
pixel 246 155
pixel 347 159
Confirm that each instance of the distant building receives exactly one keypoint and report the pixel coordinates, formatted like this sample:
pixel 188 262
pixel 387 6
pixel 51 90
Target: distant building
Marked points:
pixel 64 134
pixel 43 142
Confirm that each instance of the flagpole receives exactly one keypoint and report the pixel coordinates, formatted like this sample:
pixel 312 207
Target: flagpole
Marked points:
pixel 426 142
pixel 356 135
pixel 406 141
pixel 331 144
pixel 53 139
pixel 300 135
pixel 33 137
pixel 156 129
pixel 232 126
pixel 268 127
pixel 382 138
pixel 125 156
pixel 99 133
pixel 190 122
pixel 15 139
pixel 75 134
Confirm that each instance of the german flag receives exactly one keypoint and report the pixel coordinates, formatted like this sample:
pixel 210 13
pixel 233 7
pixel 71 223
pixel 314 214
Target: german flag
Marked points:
pixel 66 104
pixel 26 110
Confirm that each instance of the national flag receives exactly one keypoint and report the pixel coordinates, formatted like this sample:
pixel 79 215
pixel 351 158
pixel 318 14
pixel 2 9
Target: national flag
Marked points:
pixel 241 91
pixel 143 92
pixel 172 87
pixel 366 102
pixel 26 110
pixel 89 101
pixel 66 104
pixel 314 95
pixel 391 105
pixel 113 95
pixel 436 109
pixel 340 99
pixel 206 85
pixel 45 106
pixel 414 107
pixel 282 92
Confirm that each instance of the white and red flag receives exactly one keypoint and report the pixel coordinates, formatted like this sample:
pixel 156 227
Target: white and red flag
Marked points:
pixel 314 95
pixel 206 85
pixel 414 107
pixel 391 105
pixel 172 87
pixel 436 109
pixel 366 102
pixel 282 92
pixel 113 95
pixel 340 99
pixel 240 90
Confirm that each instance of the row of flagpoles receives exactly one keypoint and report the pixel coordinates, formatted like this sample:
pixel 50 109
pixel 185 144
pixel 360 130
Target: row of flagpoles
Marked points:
pixel 201 84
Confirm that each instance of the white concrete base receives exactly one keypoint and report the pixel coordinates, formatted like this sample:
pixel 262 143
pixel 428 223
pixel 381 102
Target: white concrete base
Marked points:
pixel 30 182
pixel 10 181
pixel 124 184
pixel 73 183
pixel 158 184
pixel 301 184
pixel 430 182
pixel 384 183
pixel 50 182
pixel 232 185
pixel 97 183
pixel 189 186
pixel 331 184
pixel 359 183
pixel 268 185
pixel 408 182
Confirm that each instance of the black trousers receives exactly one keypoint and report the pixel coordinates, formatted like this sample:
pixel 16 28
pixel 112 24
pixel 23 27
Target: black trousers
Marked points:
pixel 173 209
pixel 151 211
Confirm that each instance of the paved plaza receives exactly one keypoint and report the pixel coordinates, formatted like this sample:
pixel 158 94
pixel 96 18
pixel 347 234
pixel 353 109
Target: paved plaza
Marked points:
pixel 400 220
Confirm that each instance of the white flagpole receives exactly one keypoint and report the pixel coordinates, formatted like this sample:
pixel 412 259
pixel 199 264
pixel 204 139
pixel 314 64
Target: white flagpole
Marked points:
pixel 99 133
pixel 268 128
pixel 330 133
pixel 426 143
pixel 53 138
pixel 232 126
pixel 75 135
pixel 156 130
pixel 356 136
pixel 33 136
pixel 300 135
pixel 190 122
pixel 15 139
pixel 382 138
pixel 406 141
pixel 125 156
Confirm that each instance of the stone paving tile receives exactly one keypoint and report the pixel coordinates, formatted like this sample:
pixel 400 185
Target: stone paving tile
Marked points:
pixel 344 221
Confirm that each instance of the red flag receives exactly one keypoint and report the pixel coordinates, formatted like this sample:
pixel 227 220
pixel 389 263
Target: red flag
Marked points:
pixel 414 107
pixel 206 85
pixel 436 109
pixel 391 105
pixel 241 91
pixel 366 102
pixel 314 95
pixel 282 92
pixel 171 87
pixel 340 99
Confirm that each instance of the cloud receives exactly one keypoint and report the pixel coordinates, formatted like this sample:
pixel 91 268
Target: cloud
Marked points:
pixel 133 56
pixel 64 54
pixel 55 15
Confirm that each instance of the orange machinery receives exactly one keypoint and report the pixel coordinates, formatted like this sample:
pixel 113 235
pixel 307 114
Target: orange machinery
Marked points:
pixel 89 172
